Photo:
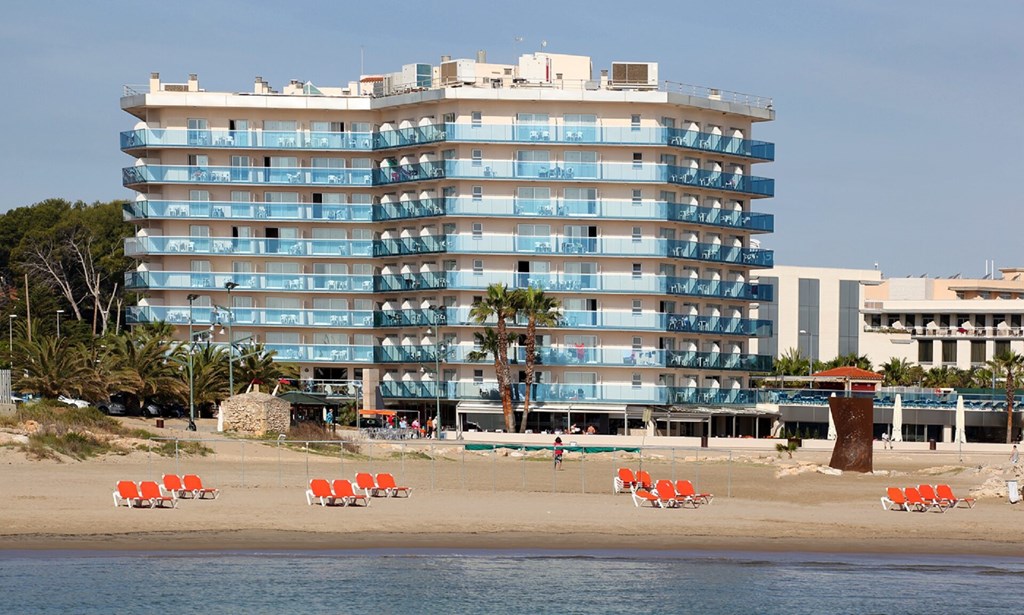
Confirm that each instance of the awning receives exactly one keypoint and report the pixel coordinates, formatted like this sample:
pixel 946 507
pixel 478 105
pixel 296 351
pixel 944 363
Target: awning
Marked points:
pixel 365 412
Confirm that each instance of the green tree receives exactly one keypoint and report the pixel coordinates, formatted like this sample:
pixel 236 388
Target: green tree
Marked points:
pixel 897 372
pixel 256 365
pixel 150 361
pixel 539 310
pixel 498 304
pixel 1011 365
pixel 490 345
pixel 49 367
pixel 791 363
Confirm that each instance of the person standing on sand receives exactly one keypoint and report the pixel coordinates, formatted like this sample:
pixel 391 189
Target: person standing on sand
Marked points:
pixel 1014 455
pixel 558 453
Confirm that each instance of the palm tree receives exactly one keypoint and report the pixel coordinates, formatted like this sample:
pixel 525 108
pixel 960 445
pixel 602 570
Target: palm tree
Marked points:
pixel 146 358
pixel 849 360
pixel 50 367
pixel 896 372
pixel 498 304
pixel 1011 364
pixel 489 344
pixel 791 363
pixel 258 366
pixel 539 309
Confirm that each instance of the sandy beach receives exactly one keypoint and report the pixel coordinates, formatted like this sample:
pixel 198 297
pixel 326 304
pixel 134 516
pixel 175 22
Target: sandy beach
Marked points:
pixel 482 500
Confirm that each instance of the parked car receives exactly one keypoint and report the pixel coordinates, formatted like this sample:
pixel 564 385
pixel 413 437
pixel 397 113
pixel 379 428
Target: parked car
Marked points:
pixel 112 407
pixel 78 403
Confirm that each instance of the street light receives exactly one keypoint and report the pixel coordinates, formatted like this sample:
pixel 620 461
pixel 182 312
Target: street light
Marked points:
pixel 10 336
pixel 229 286
pixel 438 349
pixel 810 357
pixel 191 374
pixel 59 312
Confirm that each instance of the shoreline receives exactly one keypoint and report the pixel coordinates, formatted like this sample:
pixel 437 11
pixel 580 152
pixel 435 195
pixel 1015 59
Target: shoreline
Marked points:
pixel 279 541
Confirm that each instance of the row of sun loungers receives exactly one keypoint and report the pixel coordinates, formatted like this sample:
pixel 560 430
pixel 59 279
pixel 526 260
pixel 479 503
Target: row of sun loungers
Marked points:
pixel 343 493
pixel 923 498
pixel 150 494
pixel 661 494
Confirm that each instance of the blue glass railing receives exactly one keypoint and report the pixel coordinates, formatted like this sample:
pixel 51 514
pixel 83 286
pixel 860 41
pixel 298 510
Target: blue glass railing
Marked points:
pixel 134 246
pixel 322 353
pixel 165 280
pixel 582 134
pixel 607 246
pixel 424 244
pixel 937 401
pixel 295 176
pixel 610 172
pixel 252 316
pixel 611 135
pixel 403 210
pixel 262 139
pixel 596 393
pixel 458 169
pixel 609 283
pixel 248 211
pixel 609 209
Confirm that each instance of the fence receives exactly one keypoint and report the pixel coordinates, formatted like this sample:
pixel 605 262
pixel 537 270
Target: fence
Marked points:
pixel 441 465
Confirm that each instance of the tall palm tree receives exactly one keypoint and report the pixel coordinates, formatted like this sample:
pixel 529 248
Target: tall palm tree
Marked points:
pixel 258 366
pixel 896 372
pixel 1011 364
pixel 146 357
pixel 490 345
pixel 498 304
pixel 50 367
pixel 539 310
pixel 791 363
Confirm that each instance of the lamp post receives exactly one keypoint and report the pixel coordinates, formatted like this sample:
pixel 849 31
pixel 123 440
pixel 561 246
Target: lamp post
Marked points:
pixel 810 355
pixel 59 312
pixel 438 349
pixel 191 375
pixel 229 286
pixel 10 336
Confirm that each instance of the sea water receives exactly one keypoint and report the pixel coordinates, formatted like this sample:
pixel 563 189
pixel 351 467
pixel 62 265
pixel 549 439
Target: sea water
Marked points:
pixel 564 582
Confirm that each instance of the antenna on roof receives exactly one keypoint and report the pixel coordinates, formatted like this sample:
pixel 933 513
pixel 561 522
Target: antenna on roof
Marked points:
pixel 543 44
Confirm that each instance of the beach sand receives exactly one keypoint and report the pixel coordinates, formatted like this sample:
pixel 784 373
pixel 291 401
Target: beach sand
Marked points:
pixel 474 500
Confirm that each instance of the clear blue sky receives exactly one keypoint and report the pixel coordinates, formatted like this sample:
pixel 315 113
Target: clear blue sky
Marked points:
pixel 899 130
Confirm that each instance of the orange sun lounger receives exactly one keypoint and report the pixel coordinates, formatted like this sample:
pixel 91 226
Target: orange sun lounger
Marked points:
pixel 365 482
pixel 946 492
pixel 643 496
pixel 127 493
pixel 928 495
pixel 894 500
pixel 624 479
pixel 914 499
pixel 194 485
pixel 386 482
pixel 686 490
pixel 172 483
pixel 643 480
pixel 343 491
pixel 320 489
pixel 156 496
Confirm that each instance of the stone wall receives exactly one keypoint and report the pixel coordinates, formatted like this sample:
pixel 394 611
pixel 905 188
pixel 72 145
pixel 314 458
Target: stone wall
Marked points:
pixel 256 414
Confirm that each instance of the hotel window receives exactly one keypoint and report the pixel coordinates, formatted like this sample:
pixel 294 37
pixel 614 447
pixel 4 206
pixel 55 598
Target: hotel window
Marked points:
pixel 199 195
pixel 667 196
pixel 478 193
pixel 636 233
pixel 478 374
pixel 198 230
pixel 478 267
pixel 478 157
pixel 197 132
pixel 638 196
pixel 327 126
pixel 1002 347
pixel 448 118
pixel 638 270
pixel 476 118
pixel 637 382
pixel 638 343
pixel 977 352
pixel 949 351
pixel 241 196
pixel 478 230
pixel 638 159
pixel 634 121
pixel 581 164
pixel 668 122
pixel 638 306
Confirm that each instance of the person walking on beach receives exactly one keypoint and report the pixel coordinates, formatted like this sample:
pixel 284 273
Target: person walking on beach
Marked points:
pixel 330 421
pixel 1014 455
pixel 558 453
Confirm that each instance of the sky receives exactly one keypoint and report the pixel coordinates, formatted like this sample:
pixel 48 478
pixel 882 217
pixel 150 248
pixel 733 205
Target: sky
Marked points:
pixel 898 130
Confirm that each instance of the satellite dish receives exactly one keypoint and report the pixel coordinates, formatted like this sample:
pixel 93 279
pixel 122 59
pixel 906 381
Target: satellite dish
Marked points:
pixel 519 39
pixel 543 43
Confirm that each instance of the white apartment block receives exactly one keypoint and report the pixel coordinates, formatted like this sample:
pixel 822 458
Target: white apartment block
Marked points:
pixel 351 228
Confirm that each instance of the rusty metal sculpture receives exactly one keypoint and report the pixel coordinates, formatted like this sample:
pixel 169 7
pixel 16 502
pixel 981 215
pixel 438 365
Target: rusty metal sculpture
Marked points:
pixel 853 449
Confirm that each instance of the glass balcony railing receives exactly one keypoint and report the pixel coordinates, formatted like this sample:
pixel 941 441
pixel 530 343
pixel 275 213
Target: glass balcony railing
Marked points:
pixel 581 134
pixel 608 283
pixel 252 316
pixel 134 246
pixel 597 393
pixel 168 280
pixel 404 210
pixel 424 244
pixel 609 209
pixel 610 172
pixel 248 211
pixel 322 353
pixel 458 169
pixel 190 174
pixel 257 139
pixel 607 246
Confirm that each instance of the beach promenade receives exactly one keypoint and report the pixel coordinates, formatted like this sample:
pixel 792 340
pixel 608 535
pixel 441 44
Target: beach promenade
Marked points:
pixel 504 498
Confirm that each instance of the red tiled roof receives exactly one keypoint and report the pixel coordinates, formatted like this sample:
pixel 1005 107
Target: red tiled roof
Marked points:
pixel 853 373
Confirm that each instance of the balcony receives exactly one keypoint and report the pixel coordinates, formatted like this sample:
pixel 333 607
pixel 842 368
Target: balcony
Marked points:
pixel 424 244
pixel 575 134
pixel 362 319
pixel 593 134
pixel 404 210
pixel 397 174
pixel 162 245
pixel 610 209
pixel 242 139
pixel 264 176
pixel 229 210
pixel 608 246
pixel 1003 332
pixel 177 280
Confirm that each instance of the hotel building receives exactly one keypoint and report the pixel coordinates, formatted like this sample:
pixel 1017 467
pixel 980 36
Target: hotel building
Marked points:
pixel 351 229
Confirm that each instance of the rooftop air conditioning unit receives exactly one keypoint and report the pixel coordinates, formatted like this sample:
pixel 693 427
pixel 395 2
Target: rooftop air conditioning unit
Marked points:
pixel 458 72
pixel 634 75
